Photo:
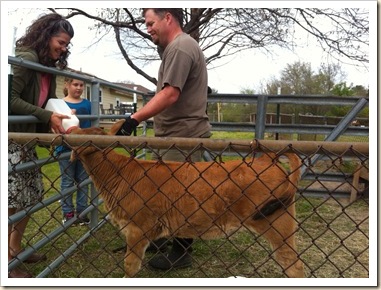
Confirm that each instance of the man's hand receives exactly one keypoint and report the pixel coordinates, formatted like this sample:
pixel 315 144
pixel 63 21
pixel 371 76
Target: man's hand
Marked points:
pixel 128 126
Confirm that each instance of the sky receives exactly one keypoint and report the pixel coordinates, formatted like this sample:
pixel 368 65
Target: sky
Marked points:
pixel 249 70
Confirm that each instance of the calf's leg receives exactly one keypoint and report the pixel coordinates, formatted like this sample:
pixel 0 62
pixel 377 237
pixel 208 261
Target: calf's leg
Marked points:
pixel 279 230
pixel 136 247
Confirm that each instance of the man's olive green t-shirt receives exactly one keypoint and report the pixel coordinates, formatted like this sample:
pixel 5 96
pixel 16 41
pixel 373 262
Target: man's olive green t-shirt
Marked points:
pixel 183 66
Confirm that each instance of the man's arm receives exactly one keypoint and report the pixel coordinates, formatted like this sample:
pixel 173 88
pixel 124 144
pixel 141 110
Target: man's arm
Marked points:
pixel 162 100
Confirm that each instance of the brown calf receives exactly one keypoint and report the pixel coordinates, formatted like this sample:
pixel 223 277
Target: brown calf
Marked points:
pixel 152 199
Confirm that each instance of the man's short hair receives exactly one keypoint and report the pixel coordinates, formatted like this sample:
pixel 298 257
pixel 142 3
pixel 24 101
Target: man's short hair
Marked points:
pixel 177 13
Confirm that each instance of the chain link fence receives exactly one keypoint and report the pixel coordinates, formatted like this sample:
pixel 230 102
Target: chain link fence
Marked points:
pixel 331 228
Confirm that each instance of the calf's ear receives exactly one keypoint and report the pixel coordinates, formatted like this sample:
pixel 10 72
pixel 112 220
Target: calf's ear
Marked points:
pixel 116 126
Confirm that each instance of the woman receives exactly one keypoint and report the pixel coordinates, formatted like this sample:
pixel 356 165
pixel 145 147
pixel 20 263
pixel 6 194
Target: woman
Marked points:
pixel 45 42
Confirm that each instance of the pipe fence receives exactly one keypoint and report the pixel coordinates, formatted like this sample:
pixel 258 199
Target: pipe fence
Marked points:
pixel 332 234
pixel 331 201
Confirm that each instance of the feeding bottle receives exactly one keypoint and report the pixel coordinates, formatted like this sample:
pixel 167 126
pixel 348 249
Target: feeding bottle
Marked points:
pixel 60 106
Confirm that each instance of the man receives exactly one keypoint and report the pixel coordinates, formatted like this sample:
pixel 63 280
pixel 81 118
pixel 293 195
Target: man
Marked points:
pixel 179 105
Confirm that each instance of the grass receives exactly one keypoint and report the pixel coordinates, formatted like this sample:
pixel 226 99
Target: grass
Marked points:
pixel 294 137
pixel 332 238
pixel 330 245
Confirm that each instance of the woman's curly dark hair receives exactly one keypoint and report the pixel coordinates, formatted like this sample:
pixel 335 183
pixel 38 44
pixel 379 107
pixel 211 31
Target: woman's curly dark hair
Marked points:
pixel 38 35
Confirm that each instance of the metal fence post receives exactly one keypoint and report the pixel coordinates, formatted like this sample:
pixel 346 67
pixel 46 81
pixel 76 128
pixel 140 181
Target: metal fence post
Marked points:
pixel 260 121
pixel 94 98
pixel 278 113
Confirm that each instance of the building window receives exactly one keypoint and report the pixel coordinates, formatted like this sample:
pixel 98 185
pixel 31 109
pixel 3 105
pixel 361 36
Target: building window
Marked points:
pixel 88 93
pixel 100 96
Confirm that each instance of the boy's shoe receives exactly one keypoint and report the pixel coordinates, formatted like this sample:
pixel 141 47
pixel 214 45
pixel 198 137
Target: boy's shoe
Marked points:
pixel 69 216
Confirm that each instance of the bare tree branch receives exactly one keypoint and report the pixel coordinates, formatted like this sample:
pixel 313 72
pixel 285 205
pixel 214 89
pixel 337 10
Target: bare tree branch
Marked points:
pixel 128 60
pixel 223 32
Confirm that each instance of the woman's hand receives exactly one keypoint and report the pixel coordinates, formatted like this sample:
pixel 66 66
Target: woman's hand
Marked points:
pixel 56 123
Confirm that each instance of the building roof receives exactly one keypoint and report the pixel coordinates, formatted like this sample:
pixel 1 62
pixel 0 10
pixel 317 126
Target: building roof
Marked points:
pixel 132 86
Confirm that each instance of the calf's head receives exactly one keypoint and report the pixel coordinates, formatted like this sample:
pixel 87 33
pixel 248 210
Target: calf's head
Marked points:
pixel 87 149
pixel 98 131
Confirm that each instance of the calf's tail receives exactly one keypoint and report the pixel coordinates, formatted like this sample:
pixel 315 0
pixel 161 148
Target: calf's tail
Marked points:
pixel 285 200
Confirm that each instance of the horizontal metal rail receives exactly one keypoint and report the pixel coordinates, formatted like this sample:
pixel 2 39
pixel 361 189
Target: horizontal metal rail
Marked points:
pixel 283 128
pixel 18 119
pixel 280 99
pixel 323 193
pixel 239 145
pixel 229 126
pixel 314 129
pixel 86 78
pixel 212 98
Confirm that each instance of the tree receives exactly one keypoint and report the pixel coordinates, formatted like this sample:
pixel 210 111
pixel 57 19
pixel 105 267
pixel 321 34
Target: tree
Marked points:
pixel 342 89
pixel 224 32
pixel 299 78
pixel 360 91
